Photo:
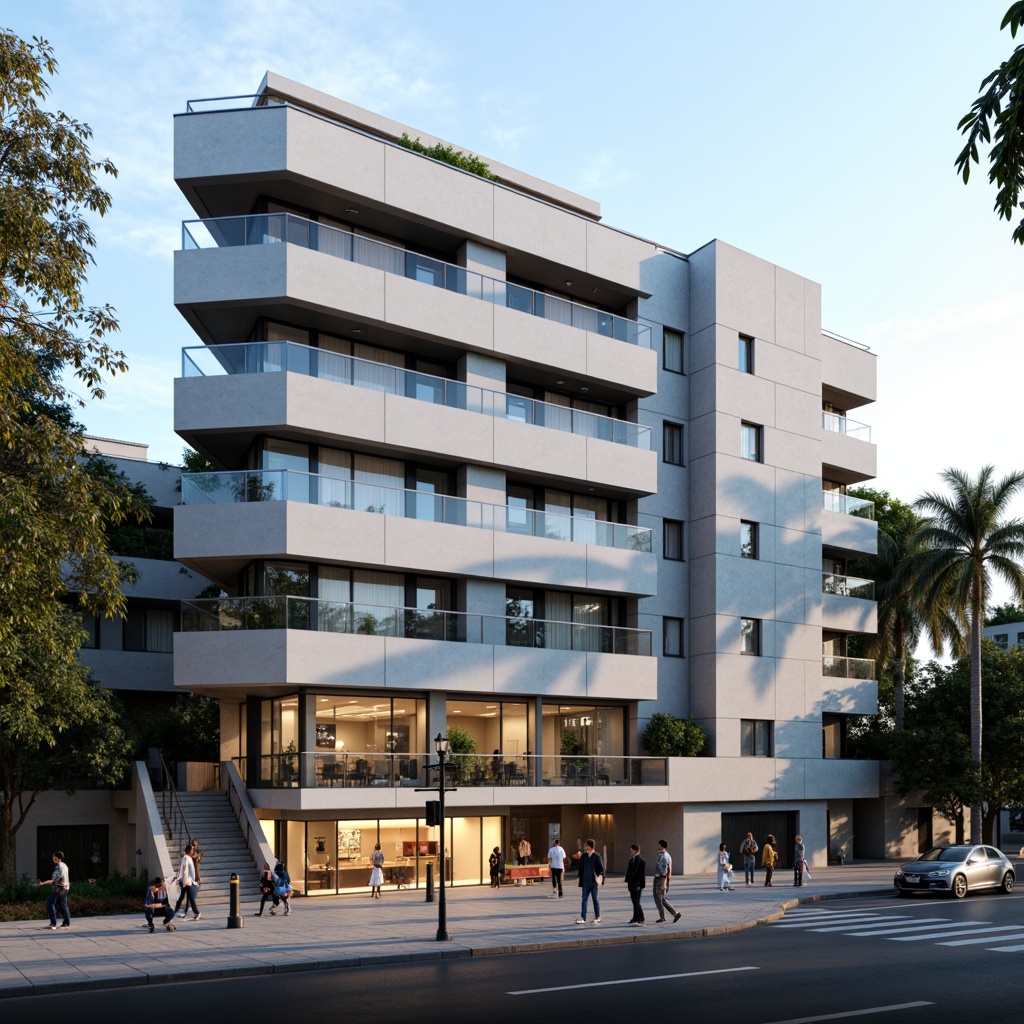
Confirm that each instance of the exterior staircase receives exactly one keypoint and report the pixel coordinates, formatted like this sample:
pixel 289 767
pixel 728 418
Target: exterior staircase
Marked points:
pixel 211 821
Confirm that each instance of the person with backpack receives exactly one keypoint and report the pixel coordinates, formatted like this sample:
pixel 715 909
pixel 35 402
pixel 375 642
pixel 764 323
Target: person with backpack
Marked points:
pixel 749 848
pixel 282 889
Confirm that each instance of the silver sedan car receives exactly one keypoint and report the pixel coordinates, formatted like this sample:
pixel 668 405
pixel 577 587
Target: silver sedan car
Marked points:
pixel 956 870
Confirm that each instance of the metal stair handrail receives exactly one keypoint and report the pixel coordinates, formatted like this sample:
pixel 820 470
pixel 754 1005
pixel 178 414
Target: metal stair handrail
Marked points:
pixel 170 805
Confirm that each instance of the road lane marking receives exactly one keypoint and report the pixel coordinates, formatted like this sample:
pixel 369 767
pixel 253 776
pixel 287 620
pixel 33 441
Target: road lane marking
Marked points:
pixel 1007 949
pixel 628 981
pixel 849 922
pixel 854 1013
pixel 962 931
pixel 887 927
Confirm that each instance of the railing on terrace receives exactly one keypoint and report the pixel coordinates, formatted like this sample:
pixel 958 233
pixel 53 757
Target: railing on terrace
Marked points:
pixel 842 425
pixel 847 504
pixel 270 228
pixel 358 769
pixel 286 612
pixel 316 489
pixel 847 586
pixel 281 356
pixel 848 668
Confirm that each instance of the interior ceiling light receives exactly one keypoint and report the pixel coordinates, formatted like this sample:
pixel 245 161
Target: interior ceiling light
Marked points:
pixel 584 389
pixel 351 210
pixel 568 284
pixel 559 381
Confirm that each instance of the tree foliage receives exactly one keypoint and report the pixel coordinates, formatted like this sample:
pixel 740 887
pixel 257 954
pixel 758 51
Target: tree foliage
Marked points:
pixel 668 736
pixel 933 754
pixel 56 505
pixel 998 114
pixel 1005 614
pixel 966 540
pixel 449 155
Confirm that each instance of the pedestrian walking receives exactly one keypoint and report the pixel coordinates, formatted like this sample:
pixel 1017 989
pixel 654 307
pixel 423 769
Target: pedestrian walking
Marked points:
pixel 590 881
pixel 377 874
pixel 60 885
pixel 749 848
pixel 497 867
pixel 636 882
pixel 662 880
pixel 798 861
pixel 768 859
pixel 186 879
pixel 267 883
pixel 157 901
pixel 724 869
pixel 556 858
pixel 282 890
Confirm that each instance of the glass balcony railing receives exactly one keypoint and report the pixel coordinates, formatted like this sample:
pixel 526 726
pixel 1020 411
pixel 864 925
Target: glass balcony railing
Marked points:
pixel 842 425
pixel 847 586
pixel 281 356
pixel 358 769
pixel 315 489
pixel 286 612
pixel 848 668
pixel 270 228
pixel 847 504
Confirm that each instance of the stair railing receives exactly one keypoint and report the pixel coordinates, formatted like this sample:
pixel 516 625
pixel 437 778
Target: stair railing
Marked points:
pixel 170 805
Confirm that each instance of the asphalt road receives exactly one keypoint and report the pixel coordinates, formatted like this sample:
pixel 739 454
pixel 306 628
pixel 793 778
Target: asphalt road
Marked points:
pixel 878 959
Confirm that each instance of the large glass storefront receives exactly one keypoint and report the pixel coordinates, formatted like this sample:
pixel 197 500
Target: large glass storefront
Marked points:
pixel 334 855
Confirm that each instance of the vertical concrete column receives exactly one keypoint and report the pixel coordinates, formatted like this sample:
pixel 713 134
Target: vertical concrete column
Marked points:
pixel 437 719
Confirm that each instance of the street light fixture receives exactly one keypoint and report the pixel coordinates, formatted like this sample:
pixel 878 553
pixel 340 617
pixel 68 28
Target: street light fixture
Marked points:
pixel 441 746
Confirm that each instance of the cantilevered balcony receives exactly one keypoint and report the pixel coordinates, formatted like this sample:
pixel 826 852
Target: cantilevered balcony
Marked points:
pixel 834 667
pixel 845 426
pixel 303 613
pixel 315 489
pixel 848 604
pixel 847 524
pixel 847 505
pixel 271 228
pixel 277 356
pixel 847 449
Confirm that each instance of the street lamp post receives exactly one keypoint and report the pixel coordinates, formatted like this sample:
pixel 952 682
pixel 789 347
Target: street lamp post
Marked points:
pixel 441 746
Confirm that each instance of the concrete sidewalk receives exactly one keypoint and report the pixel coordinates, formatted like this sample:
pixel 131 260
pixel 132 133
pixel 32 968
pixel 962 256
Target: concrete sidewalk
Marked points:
pixel 351 931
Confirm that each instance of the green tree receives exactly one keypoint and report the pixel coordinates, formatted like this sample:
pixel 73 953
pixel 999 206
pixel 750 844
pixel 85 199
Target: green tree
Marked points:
pixel 1005 614
pixel 999 113
pixel 668 736
pixel 934 752
pixel 963 542
pixel 56 506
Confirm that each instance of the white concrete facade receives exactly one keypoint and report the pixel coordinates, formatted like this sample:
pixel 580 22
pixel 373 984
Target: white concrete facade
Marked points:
pixel 648 423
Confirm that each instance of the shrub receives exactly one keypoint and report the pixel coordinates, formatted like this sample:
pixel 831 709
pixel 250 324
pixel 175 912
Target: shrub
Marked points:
pixel 668 736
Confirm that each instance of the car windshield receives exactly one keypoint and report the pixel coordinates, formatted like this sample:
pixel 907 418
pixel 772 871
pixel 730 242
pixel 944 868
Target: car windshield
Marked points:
pixel 947 853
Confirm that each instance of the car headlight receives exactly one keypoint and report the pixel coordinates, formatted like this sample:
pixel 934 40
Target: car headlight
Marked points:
pixel 938 873
pixel 899 872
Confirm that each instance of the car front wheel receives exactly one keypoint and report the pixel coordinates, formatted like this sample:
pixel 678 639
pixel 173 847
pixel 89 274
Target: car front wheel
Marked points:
pixel 959 890
pixel 1007 885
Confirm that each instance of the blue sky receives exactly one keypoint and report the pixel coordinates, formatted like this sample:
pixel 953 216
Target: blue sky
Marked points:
pixel 817 135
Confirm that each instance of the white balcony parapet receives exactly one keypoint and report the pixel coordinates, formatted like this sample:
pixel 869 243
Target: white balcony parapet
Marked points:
pixel 272 228
pixel 315 489
pixel 281 356
pixel 847 504
pixel 305 613
pixel 848 668
pixel 843 425
pixel 847 586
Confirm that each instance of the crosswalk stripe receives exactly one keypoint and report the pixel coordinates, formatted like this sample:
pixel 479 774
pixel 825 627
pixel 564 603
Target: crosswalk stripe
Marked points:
pixel 1007 949
pixel 961 930
pixel 845 922
pixel 882 927
pixel 927 924
pixel 988 938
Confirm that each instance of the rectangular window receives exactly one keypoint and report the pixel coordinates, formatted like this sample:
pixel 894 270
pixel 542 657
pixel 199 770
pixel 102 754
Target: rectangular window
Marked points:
pixel 750 442
pixel 748 539
pixel 673 447
pixel 1001 639
pixel 673 351
pixel 746 354
pixel 673 546
pixel 672 633
pixel 1020 639
pixel 833 736
pixel 755 738
pixel 750 636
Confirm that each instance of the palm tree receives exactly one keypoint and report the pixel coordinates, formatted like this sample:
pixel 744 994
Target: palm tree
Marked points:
pixel 900 618
pixel 964 540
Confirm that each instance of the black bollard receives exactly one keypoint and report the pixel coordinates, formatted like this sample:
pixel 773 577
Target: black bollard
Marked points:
pixel 430 882
pixel 235 919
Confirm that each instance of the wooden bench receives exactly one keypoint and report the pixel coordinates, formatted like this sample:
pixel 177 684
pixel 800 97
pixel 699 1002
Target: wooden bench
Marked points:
pixel 527 872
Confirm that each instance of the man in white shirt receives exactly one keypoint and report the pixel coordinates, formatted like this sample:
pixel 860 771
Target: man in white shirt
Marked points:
pixel 60 883
pixel 556 858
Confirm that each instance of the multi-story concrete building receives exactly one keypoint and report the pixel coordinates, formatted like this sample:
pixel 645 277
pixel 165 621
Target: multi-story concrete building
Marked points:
pixel 488 467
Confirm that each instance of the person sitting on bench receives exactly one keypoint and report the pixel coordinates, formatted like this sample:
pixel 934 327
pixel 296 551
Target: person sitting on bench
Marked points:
pixel 157 902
